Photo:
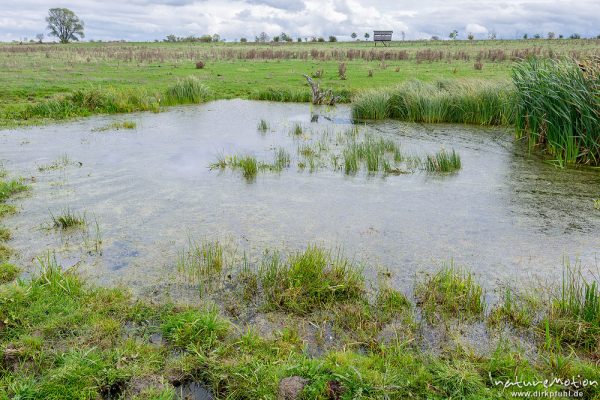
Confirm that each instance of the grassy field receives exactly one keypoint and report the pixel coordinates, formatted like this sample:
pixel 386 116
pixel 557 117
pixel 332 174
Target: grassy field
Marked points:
pixel 34 73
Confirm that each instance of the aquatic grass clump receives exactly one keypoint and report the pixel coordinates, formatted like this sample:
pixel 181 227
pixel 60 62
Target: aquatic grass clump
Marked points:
pixel 297 129
pixel 282 159
pixel 68 219
pixel 116 126
pixel 574 316
pixel 263 126
pixel 458 101
pixel 377 154
pixel 451 292
pixel 558 108
pixel 443 161
pixel 188 90
pixel 516 309
pixel 248 165
pixel 202 262
pixel 10 188
pixel 60 163
pixel 309 279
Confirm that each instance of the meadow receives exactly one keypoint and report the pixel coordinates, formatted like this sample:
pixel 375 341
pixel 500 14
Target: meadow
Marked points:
pixel 36 73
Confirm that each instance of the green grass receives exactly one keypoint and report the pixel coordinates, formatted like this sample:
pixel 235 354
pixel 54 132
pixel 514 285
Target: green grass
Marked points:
pixel 203 262
pixel 558 108
pixel 574 316
pixel 458 101
pixel 138 74
pixel 309 279
pixel 450 292
pixel 443 161
pixel 296 129
pixel 189 90
pixel 4 234
pixel 10 188
pixel 376 153
pixel 8 272
pixel 68 219
pixel 516 309
pixel 282 159
pixel 64 338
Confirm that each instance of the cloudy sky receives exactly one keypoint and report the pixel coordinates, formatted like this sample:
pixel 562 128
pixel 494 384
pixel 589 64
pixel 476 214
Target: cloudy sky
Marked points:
pixel 142 20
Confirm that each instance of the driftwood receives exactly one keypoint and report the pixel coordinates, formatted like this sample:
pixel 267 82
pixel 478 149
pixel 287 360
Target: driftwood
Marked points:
pixel 321 96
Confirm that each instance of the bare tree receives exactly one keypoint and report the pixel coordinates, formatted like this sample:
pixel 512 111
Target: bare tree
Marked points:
pixel 64 24
pixel 39 37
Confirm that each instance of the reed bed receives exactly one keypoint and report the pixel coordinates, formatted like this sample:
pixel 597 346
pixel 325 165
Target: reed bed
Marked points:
pixel 558 108
pixel 459 101
pixel 189 90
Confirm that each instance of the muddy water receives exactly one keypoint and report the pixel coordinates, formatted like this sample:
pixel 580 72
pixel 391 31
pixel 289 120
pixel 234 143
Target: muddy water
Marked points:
pixel 506 215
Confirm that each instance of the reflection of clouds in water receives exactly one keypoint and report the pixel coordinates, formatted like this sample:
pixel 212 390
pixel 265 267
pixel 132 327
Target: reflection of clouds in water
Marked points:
pixel 503 215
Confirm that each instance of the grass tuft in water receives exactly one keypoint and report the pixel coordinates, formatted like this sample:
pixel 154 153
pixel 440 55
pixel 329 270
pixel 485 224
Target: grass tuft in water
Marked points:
pixel 10 188
pixel 297 129
pixel 263 126
pixel 309 279
pixel 68 219
pixel 282 159
pixel 203 262
pixel 115 126
pixel 451 292
pixel 60 163
pixel 443 161
pixel 377 154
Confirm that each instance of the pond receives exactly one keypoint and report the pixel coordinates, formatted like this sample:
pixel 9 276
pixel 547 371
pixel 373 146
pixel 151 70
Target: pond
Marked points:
pixel 505 214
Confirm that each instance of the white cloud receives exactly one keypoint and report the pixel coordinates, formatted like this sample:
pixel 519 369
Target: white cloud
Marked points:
pixel 232 19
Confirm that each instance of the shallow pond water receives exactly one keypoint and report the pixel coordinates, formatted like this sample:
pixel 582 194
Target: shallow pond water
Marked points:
pixel 506 215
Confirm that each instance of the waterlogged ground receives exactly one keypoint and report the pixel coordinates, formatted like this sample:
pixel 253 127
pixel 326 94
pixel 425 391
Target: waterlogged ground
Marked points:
pixel 505 214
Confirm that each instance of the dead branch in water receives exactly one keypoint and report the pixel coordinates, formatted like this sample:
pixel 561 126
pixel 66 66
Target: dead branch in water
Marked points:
pixel 321 96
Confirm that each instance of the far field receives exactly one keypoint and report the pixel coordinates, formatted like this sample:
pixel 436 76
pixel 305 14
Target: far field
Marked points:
pixel 32 73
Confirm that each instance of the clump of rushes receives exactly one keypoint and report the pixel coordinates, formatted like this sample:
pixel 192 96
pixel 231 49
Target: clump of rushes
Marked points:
pixel 297 129
pixel 574 316
pixel 309 279
pixel 189 90
pixel 443 161
pixel 451 292
pixel 202 262
pixel 4 234
pixel 248 165
pixel 8 272
pixel 558 108
pixel 282 159
pixel 459 101
pixel 376 153
pixel 68 219
pixel 263 126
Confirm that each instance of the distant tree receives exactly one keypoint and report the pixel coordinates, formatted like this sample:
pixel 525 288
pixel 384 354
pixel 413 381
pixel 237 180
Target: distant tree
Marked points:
pixel 299 40
pixel 597 37
pixel 403 34
pixel 492 35
pixel 525 36
pixel 537 36
pixel 170 38
pixel 216 37
pixel 560 36
pixel 551 35
pixel 470 36
pixel 284 37
pixel 575 36
pixel 39 37
pixel 354 35
pixel 262 38
pixel 276 39
pixel 332 38
pixel 243 40
pixel 435 37
pixel 453 35
pixel 64 24
pixel 367 36
pixel 320 39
